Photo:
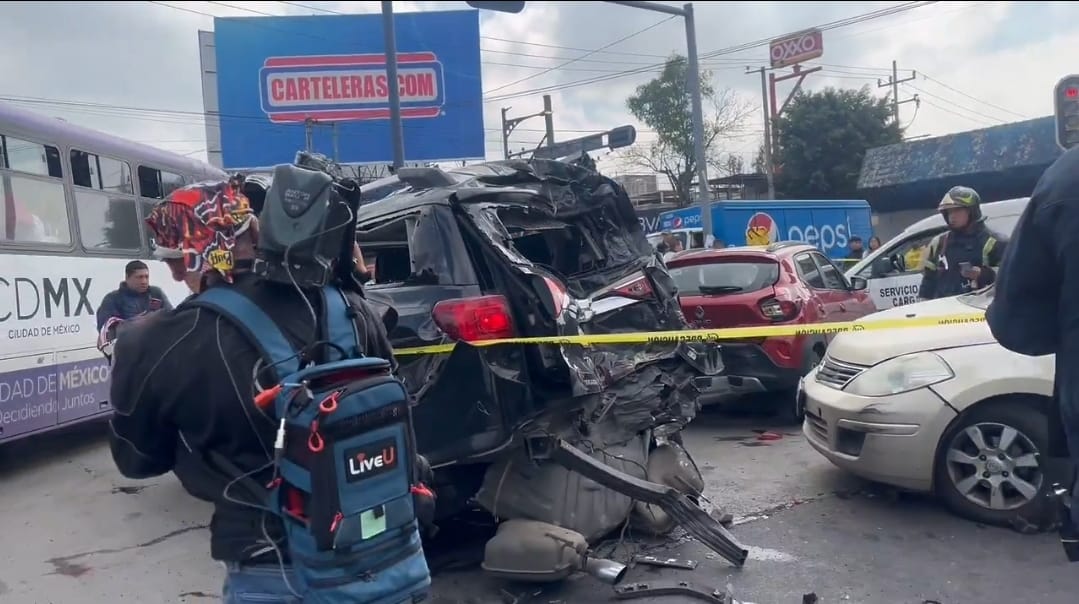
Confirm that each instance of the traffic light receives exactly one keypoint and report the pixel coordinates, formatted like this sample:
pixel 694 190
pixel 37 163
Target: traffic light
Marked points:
pixel 622 136
pixel 1066 108
pixel 502 7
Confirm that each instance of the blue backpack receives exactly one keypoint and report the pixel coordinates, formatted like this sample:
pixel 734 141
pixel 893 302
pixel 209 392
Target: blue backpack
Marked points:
pixel 347 470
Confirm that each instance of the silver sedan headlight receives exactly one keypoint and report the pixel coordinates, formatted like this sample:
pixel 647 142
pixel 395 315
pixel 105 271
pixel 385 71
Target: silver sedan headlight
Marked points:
pixel 901 374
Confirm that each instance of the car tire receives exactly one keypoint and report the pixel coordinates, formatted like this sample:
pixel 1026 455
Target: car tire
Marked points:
pixel 790 409
pixel 978 480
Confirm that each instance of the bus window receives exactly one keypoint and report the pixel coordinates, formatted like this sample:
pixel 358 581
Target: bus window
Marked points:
pixel 107 221
pixel 31 158
pixel 157 184
pixel 34 206
pixel 103 173
pixel 147 206
pixel 107 218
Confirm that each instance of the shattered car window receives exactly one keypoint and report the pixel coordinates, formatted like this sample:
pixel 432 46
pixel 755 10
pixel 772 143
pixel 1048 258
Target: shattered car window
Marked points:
pixel 570 247
pixel 408 250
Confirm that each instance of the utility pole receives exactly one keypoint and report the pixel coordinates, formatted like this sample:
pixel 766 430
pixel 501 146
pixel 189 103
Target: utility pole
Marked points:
pixel 894 83
pixel 508 124
pixel 769 168
pixel 548 119
pixel 336 140
pixel 389 39
pixel 694 85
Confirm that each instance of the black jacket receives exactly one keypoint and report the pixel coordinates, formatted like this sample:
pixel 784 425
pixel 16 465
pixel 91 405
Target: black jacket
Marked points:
pixel 941 275
pixel 127 304
pixel 1035 310
pixel 183 385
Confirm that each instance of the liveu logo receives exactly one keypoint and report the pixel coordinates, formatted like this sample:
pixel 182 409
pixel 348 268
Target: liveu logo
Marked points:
pixel 363 463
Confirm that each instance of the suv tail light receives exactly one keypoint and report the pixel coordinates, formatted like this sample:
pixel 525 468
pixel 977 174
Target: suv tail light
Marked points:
pixel 558 294
pixel 637 289
pixel 474 319
pixel 779 310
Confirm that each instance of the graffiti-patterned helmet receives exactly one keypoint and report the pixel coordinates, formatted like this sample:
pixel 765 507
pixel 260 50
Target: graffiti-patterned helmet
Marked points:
pixel 199 224
pixel 961 197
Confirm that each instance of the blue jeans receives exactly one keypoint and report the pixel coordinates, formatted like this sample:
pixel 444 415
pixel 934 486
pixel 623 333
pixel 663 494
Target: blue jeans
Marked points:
pixel 254 583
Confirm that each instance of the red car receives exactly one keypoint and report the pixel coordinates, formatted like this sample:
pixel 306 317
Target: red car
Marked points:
pixel 784 283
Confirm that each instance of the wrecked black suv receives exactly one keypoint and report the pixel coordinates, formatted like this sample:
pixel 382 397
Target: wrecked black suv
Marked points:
pixel 523 249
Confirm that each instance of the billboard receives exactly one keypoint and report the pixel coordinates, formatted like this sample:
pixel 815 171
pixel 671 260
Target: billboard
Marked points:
pixel 284 80
pixel 796 48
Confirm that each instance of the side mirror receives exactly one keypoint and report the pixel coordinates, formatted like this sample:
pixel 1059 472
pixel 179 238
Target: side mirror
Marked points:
pixel 858 283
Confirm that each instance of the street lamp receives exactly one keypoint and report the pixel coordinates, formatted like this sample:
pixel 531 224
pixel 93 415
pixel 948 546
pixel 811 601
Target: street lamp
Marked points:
pixel 686 12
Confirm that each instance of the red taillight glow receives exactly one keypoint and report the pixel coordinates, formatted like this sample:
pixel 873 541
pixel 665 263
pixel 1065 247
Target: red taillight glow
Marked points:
pixel 558 295
pixel 1072 93
pixel 638 288
pixel 778 310
pixel 474 319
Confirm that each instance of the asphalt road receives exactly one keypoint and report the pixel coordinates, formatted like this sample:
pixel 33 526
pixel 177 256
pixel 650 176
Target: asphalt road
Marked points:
pixel 74 531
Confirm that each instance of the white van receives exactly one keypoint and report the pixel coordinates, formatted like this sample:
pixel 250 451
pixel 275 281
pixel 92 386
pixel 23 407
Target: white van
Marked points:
pixel 894 270
pixel 686 236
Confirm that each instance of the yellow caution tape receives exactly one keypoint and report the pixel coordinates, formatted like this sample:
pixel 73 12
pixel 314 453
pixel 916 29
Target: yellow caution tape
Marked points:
pixel 708 335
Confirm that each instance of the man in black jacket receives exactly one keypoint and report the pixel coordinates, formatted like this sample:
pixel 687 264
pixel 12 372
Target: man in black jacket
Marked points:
pixel 134 297
pixel 184 381
pixel 966 256
pixel 1035 310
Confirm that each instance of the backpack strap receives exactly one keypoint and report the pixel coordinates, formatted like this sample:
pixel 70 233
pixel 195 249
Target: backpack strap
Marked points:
pixel 260 330
pixel 339 324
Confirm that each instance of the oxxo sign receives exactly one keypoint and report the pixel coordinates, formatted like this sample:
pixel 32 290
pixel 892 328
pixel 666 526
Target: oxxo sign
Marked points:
pixel 797 48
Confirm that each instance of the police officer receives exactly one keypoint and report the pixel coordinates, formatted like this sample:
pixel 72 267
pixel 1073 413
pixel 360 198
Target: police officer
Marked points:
pixel 966 256
pixel 1035 307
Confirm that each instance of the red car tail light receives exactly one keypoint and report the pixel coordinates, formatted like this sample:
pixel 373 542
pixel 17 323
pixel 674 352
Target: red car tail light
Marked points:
pixel 474 319
pixel 779 310
pixel 558 294
pixel 638 289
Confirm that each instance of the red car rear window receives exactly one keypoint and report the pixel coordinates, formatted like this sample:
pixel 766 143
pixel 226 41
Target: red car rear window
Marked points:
pixel 741 275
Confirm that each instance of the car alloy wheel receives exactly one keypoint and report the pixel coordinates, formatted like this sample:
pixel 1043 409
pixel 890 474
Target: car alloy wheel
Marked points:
pixel 994 466
pixel 988 467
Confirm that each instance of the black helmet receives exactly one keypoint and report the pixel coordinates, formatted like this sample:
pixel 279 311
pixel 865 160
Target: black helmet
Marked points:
pixel 961 197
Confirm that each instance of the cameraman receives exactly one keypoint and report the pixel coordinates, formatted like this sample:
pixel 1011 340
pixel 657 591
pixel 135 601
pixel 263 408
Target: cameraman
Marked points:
pixel 184 381
pixel 1035 310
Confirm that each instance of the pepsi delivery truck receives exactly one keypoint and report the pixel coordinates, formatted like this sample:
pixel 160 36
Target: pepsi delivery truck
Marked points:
pixel 826 224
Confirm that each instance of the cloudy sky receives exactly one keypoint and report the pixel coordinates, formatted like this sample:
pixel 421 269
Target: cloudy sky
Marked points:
pixel 132 68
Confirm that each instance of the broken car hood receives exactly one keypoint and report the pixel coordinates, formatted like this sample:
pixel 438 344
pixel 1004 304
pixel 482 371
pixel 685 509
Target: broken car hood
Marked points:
pixel 872 347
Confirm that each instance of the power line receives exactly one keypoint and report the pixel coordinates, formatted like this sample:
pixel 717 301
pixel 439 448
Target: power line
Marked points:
pixel 730 50
pixel 960 92
pixel 617 74
pixel 616 42
pixel 568 62
pixel 496 39
pixel 110 110
pixel 957 105
pixel 862 18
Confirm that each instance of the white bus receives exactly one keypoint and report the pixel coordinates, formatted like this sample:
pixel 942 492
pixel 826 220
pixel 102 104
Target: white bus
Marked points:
pixel 72 215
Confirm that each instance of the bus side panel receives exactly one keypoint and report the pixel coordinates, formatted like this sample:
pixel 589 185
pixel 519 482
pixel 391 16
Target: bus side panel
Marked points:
pixel 28 395
pixel 860 223
pixel 82 378
pixel 758 223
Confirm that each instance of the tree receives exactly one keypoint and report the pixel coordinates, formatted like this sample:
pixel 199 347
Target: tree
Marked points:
pixel 664 105
pixel 728 165
pixel 823 138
